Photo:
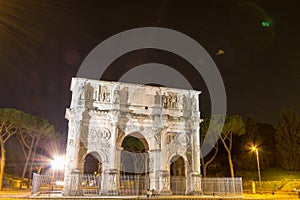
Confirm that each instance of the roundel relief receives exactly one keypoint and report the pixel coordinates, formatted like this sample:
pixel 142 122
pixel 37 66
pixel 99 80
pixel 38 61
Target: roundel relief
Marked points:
pixel 183 139
pixel 99 134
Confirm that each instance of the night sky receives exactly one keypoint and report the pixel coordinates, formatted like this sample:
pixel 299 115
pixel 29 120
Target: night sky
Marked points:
pixel 43 43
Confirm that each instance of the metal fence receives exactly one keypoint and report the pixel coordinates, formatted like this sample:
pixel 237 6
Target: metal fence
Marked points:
pixel 46 184
pixel 178 185
pixel 134 185
pixel 50 185
pixel 91 184
pixel 222 186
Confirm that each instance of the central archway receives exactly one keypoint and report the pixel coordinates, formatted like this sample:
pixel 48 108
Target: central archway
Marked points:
pixel 134 155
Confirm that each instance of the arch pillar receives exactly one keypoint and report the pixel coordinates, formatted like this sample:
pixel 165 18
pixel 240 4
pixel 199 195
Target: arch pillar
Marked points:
pixel 154 166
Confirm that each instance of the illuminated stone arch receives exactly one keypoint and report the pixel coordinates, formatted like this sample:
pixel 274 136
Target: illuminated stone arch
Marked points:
pixel 103 113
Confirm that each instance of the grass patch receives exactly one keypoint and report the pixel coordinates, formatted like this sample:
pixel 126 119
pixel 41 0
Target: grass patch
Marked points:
pixel 272 180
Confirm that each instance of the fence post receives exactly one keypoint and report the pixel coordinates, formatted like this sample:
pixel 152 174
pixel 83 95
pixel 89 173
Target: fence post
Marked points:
pixel 35 184
pixel 253 187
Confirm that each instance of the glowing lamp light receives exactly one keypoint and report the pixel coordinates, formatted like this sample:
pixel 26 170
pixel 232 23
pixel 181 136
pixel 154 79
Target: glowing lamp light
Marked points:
pixel 253 148
pixel 58 163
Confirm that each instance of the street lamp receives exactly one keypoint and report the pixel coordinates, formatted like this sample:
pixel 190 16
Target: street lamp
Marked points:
pixel 255 149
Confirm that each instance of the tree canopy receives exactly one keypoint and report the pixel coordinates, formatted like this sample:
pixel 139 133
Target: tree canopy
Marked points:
pixel 26 126
pixel 287 137
pixel 234 125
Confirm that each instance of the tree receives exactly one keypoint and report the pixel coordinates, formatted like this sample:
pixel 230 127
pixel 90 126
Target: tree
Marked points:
pixel 260 135
pixel 267 153
pixel 11 120
pixel 287 138
pixel 234 125
pixel 29 138
pixel 209 158
pixel 28 129
pixel 247 140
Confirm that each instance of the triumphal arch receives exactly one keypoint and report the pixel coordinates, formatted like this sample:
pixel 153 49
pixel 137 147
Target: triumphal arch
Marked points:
pixel 165 120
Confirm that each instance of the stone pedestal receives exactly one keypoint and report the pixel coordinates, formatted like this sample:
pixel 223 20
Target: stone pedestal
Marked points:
pixel 111 182
pixel 76 184
pixel 196 184
pixel 164 183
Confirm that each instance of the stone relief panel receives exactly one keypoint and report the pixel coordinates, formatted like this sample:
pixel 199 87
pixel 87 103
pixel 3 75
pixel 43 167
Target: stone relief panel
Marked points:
pixel 85 91
pixel 102 93
pixel 99 137
pixel 99 134
pixel 171 138
pixel 169 100
pixel 177 143
pixel 182 139
pixel 116 95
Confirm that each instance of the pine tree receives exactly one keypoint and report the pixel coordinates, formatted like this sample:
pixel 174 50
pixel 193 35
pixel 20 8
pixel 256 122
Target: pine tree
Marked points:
pixel 287 138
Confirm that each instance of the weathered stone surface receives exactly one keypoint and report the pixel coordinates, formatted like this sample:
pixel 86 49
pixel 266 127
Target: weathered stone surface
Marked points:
pixel 103 113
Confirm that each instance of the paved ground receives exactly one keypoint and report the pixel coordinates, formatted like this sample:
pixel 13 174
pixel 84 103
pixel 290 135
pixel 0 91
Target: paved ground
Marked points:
pixel 271 196
pixel 15 194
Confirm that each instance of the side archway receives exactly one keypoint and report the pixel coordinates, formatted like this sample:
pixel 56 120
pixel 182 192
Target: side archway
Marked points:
pixel 93 163
pixel 178 175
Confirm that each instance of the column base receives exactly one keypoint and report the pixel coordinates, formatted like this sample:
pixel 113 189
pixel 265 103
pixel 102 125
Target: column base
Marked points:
pixel 112 193
pixel 196 193
pixel 110 183
pixel 75 188
pixel 165 192
pixel 164 180
pixel 196 184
